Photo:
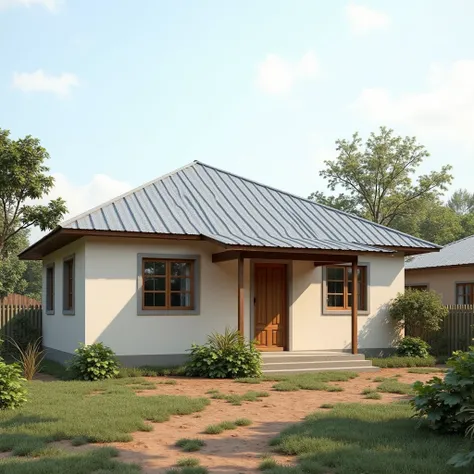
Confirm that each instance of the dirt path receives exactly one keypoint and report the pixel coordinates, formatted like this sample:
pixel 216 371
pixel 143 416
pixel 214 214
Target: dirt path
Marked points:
pixel 240 450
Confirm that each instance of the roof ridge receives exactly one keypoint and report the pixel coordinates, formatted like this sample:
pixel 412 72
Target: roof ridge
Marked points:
pixel 314 203
pixel 128 193
pixel 460 240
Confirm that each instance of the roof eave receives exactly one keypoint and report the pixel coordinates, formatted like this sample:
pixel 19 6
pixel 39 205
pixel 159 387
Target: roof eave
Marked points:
pixel 439 267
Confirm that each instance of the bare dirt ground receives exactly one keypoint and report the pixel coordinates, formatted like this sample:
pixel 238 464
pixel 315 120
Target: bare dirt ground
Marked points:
pixel 240 450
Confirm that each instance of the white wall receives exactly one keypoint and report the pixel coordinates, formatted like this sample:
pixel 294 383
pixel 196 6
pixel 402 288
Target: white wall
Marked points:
pixel 311 329
pixel 64 332
pixel 106 301
pixel 111 298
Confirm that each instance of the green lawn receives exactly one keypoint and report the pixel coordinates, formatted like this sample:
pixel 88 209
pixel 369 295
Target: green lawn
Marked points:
pixel 366 439
pixel 83 411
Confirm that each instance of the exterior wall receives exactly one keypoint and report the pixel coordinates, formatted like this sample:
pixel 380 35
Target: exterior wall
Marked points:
pixel 311 329
pixel 64 332
pixel 441 280
pixel 111 298
pixel 106 303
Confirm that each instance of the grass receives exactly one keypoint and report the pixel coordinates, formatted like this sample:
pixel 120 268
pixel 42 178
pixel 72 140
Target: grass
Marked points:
pixel 395 386
pixel 243 422
pixel 369 439
pixel 189 462
pixel 425 370
pixel 185 470
pixel 312 381
pixel 226 426
pixel 267 463
pixel 70 410
pixel 371 394
pixel 99 461
pixel 236 399
pixel 326 406
pixel 190 445
pixel 400 362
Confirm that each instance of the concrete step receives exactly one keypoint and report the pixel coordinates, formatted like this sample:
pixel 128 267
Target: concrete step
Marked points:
pixel 292 358
pixel 319 369
pixel 327 364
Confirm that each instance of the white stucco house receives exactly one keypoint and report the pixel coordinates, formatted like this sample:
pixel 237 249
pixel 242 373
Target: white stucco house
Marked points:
pixel 201 249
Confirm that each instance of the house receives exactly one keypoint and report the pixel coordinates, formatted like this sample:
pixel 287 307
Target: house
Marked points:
pixel 201 249
pixel 449 272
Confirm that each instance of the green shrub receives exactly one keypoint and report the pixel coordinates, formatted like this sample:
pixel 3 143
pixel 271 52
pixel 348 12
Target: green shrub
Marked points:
pixel 400 362
pixel 243 422
pixel 12 388
pixel 226 355
pixel 190 445
pixel 444 403
pixel 94 362
pixel 413 347
pixel 418 312
pixel 24 331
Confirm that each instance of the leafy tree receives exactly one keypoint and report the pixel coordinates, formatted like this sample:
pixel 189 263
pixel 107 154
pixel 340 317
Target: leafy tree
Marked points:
pixel 462 202
pixel 379 177
pixel 32 276
pixel 341 202
pixel 23 179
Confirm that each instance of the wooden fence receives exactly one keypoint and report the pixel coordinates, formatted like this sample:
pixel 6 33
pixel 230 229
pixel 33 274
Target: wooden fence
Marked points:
pixel 20 300
pixel 20 322
pixel 457 331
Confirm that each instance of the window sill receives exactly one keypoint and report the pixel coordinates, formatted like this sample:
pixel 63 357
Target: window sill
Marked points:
pixel 168 312
pixel 49 312
pixel 343 312
pixel 69 312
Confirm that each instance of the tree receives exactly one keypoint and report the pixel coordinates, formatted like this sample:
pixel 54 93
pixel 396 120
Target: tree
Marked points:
pixel 379 178
pixel 462 202
pixel 342 202
pixel 23 180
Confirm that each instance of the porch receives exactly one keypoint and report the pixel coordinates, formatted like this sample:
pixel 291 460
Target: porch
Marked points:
pixel 271 318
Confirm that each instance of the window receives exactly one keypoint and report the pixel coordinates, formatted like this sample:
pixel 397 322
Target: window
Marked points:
pixel 464 293
pixel 168 284
pixel 339 288
pixel 417 287
pixel 68 286
pixel 50 289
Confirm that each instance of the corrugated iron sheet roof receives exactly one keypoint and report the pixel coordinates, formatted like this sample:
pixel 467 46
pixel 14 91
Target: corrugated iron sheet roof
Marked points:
pixel 460 252
pixel 202 200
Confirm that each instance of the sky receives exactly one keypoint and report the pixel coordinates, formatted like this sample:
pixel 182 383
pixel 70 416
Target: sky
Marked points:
pixel 120 91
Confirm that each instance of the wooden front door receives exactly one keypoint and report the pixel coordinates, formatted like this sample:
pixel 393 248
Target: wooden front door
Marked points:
pixel 270 306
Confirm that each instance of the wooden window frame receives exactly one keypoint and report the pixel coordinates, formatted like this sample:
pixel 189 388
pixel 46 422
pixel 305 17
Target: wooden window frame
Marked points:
pixel 50 290
pixel 464 284
pixel 69 285
pixel 363 290
pixel 168 310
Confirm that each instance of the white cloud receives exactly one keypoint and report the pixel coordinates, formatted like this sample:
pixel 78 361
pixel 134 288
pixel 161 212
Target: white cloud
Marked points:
pixel 80 198
pixel 38 81
pixel 363 19
pixel 276 75
pixel 51 5
pixel 444 110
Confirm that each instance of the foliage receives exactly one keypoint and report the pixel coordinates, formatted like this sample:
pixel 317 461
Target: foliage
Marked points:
pixel 364 438
pixel 462 202
pixel 443 403
pixel 413 347
pixel 33 278
pixel 29 358
pixel 192 462
pixel 24 331
pixel 400 362
pixel 418 311
pixel 190 445
pixel 226 355
pixel 102 412
pixel 94 362
pixel 342 202
pixel 379 176
pixel 98 461
pixel 12 387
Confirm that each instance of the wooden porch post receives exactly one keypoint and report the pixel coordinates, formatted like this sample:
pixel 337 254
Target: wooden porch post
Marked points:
pixel 355 299
pixel 240 294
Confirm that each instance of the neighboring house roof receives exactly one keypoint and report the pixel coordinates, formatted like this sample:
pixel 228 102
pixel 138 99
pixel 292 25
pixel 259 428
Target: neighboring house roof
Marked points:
pixel 456 253
pixel 200 200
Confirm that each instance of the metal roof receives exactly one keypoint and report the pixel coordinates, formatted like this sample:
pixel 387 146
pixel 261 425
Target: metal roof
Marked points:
pixel 460 252
pixel 199 199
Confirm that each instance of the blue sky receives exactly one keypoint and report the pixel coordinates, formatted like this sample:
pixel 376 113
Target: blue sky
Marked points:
pixel 120 92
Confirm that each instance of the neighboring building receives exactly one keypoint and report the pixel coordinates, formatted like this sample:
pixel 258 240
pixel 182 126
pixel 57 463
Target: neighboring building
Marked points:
pixel 199 250
pixel 450 272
